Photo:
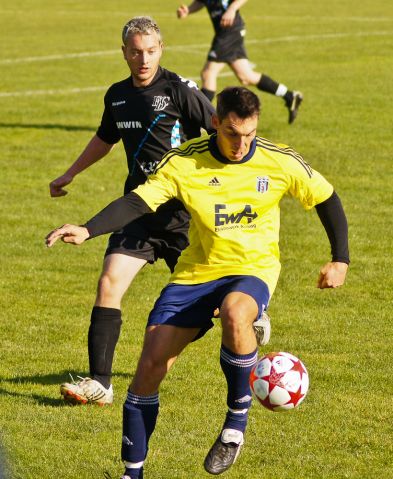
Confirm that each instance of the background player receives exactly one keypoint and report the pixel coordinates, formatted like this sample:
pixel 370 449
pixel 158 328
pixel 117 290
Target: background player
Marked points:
pixel 151 111
pixel 228 48
pixel 232 262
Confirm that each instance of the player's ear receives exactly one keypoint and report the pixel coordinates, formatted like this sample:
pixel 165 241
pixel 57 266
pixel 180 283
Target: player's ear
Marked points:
pixel 123 49
pixel 215 121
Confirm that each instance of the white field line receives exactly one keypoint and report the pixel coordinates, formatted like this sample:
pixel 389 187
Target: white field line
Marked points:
pixel 187 48
pixel 70 91
pixel 199 46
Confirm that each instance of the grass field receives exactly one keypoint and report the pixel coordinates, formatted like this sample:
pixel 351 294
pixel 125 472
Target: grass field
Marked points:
pixel 56 61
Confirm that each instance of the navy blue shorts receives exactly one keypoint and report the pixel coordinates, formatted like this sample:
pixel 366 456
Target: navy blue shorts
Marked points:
pixel 193 305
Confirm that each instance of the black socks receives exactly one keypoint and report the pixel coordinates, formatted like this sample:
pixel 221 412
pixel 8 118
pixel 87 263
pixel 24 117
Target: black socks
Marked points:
pixel 103 335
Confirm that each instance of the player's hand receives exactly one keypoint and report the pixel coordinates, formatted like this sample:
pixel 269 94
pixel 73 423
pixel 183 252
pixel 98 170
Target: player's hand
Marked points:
pixel 56 186
pixel 332 275
pixel 68 234
pixel 182 11
pixel 227 19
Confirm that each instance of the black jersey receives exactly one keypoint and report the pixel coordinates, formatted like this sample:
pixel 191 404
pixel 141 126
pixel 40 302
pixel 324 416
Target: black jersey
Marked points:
pixel 151 120
pixel 216 9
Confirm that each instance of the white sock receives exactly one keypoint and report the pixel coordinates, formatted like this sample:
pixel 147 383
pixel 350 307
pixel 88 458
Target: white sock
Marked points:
pixel 281 90
pixel 232 435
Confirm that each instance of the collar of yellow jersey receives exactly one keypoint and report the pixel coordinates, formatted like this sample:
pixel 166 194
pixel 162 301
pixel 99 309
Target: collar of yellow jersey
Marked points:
pixel 222 159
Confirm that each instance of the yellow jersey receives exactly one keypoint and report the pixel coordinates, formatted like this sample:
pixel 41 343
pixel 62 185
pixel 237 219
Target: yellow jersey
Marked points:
pixel 234 206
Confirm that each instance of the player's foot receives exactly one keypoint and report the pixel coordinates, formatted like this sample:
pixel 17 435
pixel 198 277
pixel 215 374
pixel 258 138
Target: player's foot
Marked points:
pixel 224 451
pixel 262 329
pixel 293 105
pixel 85 391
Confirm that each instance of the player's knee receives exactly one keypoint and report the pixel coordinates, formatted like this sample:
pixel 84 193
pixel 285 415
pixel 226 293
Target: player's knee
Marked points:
pixel 235 319
pixel 206 75
pixel 109 286
pixel 245 80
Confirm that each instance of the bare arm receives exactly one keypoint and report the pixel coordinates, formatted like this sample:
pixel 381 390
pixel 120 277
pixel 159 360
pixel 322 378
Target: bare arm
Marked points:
pixel 183 11
pixel 94 151
pixel 229 16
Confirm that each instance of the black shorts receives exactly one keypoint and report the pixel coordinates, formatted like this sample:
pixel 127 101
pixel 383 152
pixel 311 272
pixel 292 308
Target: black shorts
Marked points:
pixel 227 47
pixel 163 234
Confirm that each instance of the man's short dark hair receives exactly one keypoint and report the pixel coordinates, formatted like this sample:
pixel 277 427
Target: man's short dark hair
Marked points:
pixel 239 100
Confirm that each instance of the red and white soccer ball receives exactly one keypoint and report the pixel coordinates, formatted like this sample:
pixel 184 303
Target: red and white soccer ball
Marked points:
pixel 279 381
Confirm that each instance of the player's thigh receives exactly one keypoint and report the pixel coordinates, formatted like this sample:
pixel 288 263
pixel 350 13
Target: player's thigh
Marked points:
pixel 162 345
pixel 244 72
pixel 118 271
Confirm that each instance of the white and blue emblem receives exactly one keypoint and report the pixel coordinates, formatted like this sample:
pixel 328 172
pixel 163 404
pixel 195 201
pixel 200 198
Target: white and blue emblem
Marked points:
pixel 175 135
pixel 262 184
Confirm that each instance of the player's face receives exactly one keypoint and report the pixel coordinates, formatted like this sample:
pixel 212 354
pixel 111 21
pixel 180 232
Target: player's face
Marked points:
pixel 234 135
pixel 142 54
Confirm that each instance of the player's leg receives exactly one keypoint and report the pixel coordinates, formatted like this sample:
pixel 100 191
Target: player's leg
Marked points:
pixel 118 272
pixel 238 355
pixel 247 76
pixel 209 76
pixel 180 315
pixel 161 347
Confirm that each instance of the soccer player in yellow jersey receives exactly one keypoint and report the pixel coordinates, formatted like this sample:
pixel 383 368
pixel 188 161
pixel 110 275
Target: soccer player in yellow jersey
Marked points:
pixel 231 183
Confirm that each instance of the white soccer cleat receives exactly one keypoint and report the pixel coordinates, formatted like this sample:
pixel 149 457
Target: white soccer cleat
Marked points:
pixel 262 329
pixel 85 391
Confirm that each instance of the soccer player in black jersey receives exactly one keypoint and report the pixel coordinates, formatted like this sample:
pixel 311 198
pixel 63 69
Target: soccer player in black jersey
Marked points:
pixel 228 48
pixel 151 111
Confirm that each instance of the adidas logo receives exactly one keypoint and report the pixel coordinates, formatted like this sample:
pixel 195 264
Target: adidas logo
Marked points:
pixel 214 182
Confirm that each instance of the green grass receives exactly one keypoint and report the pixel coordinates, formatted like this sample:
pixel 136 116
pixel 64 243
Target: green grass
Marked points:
pixel 339 55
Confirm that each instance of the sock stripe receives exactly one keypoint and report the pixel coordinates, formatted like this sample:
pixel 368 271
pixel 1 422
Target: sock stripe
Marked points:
pixel 133 465
pixel 237 361
pixel 142 400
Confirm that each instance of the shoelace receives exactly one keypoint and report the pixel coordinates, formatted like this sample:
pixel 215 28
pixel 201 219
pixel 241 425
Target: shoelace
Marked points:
pixel 81 379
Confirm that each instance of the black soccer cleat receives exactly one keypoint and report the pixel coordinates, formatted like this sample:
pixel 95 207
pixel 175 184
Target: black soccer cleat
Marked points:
pixel 293 105
pixel 222 455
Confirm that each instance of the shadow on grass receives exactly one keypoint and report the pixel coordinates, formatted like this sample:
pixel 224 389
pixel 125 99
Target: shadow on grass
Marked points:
pixel 46 380
pixel 48 126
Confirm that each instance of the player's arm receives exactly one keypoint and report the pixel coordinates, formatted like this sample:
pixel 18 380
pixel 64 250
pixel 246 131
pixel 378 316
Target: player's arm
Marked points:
pixel 158 189
pixel 94 151
pixel 229 16
pixel 195 108
pixel 332 216
pixel 112 218
pixel 183 11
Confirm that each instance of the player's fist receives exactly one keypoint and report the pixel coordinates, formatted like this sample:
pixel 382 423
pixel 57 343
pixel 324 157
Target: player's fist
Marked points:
pixel 228 19
pixel 68 234
pixel 182 11
pixel 332 275
pixel 56 186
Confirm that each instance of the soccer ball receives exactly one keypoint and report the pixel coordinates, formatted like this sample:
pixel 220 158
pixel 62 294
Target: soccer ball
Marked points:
pixel 279 381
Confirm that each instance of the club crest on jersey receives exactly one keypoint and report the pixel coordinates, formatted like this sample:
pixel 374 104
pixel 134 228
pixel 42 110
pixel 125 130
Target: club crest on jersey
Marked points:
pixel 241 219
pixel 160 102
pixel 262 184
